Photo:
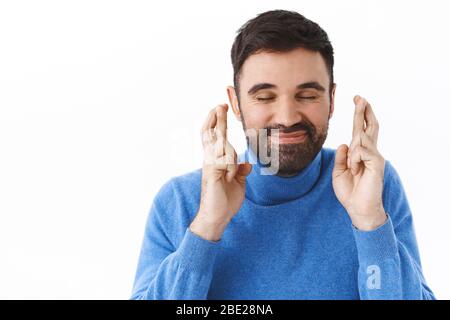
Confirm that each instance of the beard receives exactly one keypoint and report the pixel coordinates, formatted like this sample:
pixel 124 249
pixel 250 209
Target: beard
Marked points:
pixel 293 157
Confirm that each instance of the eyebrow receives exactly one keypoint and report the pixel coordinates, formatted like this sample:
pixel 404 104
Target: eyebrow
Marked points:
pixel 307 85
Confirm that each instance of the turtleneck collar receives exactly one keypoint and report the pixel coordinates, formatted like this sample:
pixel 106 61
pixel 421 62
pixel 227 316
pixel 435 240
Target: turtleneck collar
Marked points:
pixel 269 190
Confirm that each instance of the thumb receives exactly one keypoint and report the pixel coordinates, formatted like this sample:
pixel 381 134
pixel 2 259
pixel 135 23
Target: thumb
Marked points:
pixel 244 170
pixel 340 160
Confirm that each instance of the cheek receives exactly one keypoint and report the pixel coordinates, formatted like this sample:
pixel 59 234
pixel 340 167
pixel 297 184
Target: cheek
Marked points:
pixel 319 119
pixel 256 118
pixel 318 114
pixel 320 122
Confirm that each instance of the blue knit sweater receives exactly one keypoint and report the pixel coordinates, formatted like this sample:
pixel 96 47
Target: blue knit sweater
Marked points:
pixel 291 239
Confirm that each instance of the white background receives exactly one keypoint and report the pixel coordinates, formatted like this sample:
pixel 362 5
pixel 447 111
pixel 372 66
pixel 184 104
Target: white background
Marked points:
pixel 101 102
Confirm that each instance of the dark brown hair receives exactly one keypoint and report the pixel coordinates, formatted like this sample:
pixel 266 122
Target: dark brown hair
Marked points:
pixel 279 31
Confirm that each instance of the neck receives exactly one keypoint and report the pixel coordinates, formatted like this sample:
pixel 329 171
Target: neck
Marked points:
pixel 266 189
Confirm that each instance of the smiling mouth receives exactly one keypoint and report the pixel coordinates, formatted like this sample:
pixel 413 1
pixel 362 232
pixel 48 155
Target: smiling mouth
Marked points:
pixel 292 137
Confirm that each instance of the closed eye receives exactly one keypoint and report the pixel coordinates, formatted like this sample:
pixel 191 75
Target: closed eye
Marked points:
pixel 305 98
pixel 308 98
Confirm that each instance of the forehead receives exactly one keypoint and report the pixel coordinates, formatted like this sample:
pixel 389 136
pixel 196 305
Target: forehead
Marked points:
pixel 284 69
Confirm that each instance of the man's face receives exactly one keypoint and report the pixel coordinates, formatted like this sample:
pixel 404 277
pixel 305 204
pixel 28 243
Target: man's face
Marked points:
pixel 291 92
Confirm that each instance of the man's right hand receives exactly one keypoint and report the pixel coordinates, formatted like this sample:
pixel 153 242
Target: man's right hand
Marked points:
pixel 223 179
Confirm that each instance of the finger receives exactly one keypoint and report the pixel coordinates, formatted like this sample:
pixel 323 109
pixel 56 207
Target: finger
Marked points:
pixel 372 123
pixel 357 158
pixel 356 141
pixel 232 166
pixel 223 153
pixel 219 147
pixel 367 142
pixel 364 140
pixel 209 152
pixel 340 160
pixel 208 137
pixel 207 132
pixel 358 117
pixel 210 121
pixel 364 157
pixel 221 112
pixel 244 170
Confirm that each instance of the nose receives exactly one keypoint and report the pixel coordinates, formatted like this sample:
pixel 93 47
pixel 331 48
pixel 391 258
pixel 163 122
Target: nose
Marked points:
pixel 287 113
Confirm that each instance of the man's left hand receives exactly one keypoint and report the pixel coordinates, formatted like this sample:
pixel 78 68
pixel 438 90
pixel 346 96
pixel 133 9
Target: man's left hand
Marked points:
pixel 358 172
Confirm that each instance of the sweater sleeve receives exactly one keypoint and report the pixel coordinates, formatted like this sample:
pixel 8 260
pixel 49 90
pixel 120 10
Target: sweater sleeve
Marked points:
pixel 389 262
pixel 166 272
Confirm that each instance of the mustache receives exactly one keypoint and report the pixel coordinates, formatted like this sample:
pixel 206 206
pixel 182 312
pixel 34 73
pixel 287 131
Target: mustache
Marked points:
pixel 300 126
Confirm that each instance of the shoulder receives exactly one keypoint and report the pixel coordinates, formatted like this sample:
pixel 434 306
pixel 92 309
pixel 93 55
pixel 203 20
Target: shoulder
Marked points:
pixel 176 203
pixel 394 194
pixel 181 188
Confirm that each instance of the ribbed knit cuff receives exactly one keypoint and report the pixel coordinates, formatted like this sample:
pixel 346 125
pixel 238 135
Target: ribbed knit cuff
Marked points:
pixel 376 245
pixel 196 253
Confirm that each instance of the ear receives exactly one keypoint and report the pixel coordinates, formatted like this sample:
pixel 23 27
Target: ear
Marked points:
pixel 234 102
pixel 332 95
